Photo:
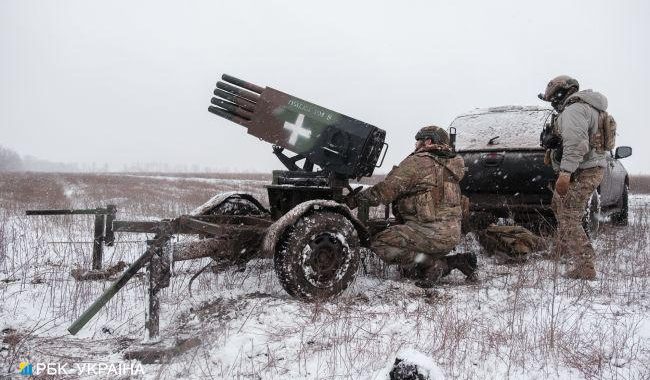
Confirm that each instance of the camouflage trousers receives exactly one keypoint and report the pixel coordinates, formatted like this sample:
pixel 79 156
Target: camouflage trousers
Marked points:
pixel 400 244
pixel 570 236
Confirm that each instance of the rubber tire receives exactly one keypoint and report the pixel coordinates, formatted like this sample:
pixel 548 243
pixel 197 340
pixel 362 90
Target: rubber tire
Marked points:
pixel 236 205
pixel 292 252
pixel 621 218
pixel 591 219
pixel 233 205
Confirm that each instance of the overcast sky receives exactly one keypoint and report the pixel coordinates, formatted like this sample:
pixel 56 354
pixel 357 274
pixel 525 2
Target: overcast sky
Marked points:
pixel 130 81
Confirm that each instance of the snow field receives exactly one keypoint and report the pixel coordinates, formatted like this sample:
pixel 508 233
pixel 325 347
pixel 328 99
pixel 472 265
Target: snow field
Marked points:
pixel 521 321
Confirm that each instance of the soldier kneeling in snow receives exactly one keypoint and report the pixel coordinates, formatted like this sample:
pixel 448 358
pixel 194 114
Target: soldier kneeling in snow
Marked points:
pixel 426 201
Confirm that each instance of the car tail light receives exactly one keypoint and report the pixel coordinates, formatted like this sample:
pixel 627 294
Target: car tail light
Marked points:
pixel 493 158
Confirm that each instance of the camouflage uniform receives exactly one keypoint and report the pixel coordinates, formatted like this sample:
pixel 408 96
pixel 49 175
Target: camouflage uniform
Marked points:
pixel 425 190
pixel 569 210
pixel 581 157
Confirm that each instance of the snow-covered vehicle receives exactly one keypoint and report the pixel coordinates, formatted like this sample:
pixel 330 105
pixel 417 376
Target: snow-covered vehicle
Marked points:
pixel 506 175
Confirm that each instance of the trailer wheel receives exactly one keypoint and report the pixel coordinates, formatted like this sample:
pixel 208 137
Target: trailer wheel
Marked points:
pixel 237 205
pixel 318 257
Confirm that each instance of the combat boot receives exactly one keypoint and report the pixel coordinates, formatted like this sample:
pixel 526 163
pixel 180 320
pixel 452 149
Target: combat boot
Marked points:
pixel 412 271
pixel 467 263
pixel 432 272
pixel 582 270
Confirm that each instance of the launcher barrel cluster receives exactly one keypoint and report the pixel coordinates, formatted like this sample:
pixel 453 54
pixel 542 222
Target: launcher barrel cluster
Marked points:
pixel 234 103
pixel 339 144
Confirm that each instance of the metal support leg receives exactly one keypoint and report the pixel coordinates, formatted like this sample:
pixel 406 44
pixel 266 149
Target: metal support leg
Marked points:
pixel 98 242
pixel 152 324
pixel 158 276
pixel 109 235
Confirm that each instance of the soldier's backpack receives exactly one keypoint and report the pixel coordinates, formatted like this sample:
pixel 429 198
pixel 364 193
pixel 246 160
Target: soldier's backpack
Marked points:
pixel 510 242
pixel 605 139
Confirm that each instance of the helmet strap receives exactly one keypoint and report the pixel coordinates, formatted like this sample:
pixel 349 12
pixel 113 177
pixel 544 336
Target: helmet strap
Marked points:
pixel 557 100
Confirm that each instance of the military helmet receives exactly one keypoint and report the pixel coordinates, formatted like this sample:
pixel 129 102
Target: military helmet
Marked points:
pixel 436 134
pixel 559 86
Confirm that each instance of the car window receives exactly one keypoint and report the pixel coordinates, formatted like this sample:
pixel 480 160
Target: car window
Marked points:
pixel 498 128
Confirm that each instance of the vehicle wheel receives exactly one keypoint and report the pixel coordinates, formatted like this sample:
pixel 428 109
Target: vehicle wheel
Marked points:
pixel 621 218
pixel 591 218
pixel 318 257
pixel 236 205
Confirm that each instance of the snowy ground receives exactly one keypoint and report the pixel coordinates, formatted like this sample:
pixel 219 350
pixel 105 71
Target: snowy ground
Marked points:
pixel 521 321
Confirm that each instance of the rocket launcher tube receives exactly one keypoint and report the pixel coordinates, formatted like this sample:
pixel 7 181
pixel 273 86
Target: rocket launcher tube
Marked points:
pixel 243 103
pixel 229 116
pixel 239 92
pixel 232 108
pixel 242 83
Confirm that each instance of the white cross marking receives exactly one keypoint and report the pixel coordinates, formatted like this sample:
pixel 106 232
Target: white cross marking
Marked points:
pixel 297 129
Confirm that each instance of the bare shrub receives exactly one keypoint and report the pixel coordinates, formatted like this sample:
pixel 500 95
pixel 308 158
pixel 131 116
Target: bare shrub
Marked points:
pixel 9 160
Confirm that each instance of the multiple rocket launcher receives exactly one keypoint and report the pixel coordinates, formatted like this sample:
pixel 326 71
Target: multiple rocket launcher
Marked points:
pixel 343 146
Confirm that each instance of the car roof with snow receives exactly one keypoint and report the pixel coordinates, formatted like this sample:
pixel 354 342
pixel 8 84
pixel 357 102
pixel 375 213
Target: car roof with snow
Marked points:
pixel 498 128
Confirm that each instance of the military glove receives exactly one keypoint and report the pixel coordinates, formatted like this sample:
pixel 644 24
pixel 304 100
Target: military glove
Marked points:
pixel 562 183
pixel 351 201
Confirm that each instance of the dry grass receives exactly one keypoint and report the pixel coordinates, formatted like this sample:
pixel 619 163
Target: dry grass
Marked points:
pixel 520 319
pixel 138 194
pixel 640 184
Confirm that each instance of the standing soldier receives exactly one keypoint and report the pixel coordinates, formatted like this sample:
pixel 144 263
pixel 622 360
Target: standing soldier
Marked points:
pixel 426 200
pixel 579 160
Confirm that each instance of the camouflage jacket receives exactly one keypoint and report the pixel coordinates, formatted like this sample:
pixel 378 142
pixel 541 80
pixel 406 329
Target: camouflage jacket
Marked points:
pixel 575 124
pixel 425 187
